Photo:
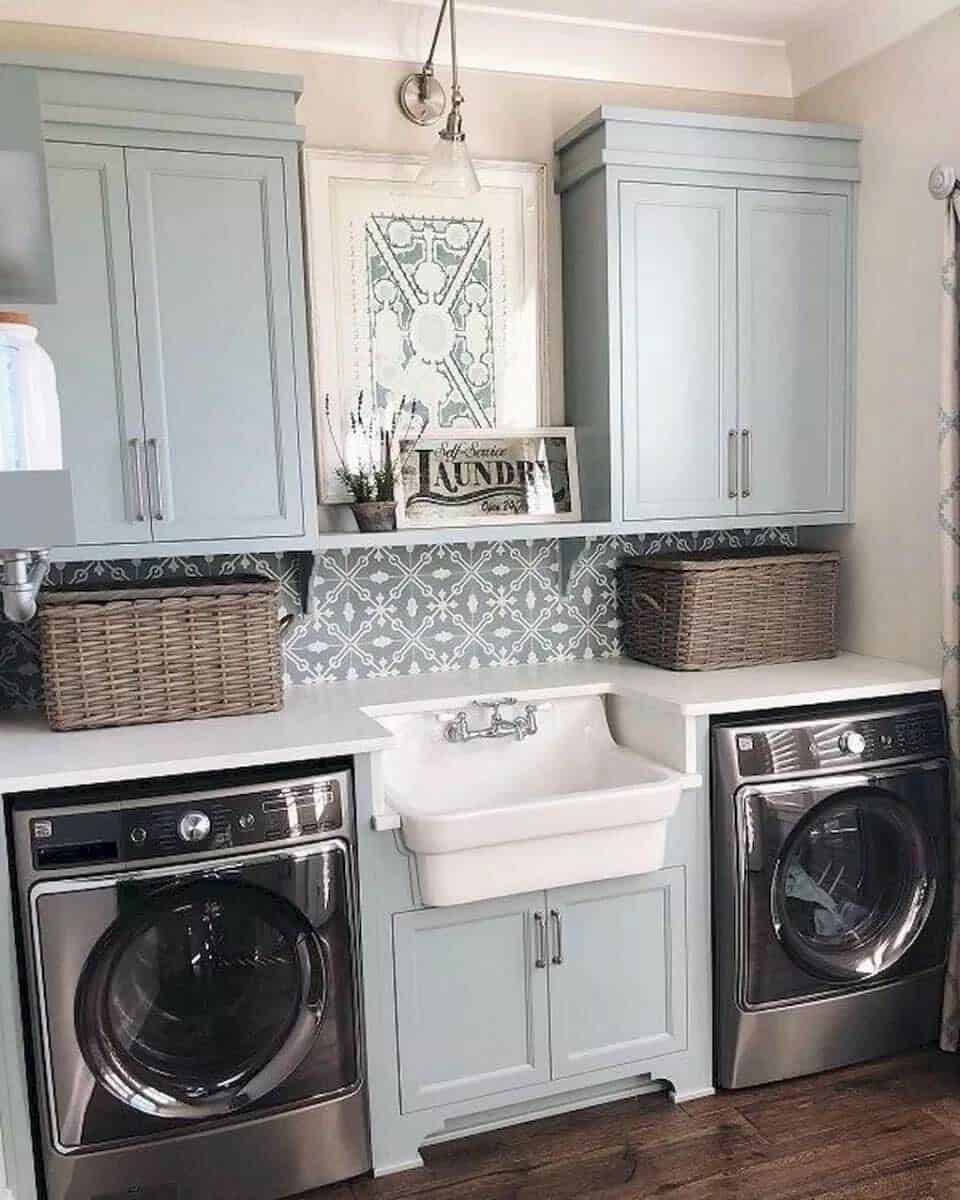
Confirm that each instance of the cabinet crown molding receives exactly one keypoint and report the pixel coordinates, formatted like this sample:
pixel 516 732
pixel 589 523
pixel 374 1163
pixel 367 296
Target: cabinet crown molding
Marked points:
pixel 115 93
pixel 661 139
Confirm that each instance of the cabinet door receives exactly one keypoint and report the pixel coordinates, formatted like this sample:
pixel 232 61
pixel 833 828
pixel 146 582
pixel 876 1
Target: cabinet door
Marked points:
pixel 91 335
pixel 211 266
pixel 678 342
pixel 471 1001
pixel 793 280
pixel 618 975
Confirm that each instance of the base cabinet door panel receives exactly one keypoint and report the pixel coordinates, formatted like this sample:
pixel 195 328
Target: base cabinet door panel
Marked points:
pixel 91 335
pixel 678 248
pixel 793 284
pixel 618 972
pixel 211 265
pixel 471 1001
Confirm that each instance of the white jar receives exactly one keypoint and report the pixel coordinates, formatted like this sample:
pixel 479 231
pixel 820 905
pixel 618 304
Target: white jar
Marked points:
pixel 30 438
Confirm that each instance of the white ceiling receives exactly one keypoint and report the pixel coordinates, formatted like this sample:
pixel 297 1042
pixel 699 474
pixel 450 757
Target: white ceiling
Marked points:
pixel 765 47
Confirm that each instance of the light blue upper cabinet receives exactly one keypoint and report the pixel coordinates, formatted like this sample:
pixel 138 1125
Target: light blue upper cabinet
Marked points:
pixel 794 283
pixel 708 316
pixel 679 329
pixel 91 335
pixel 209 240
pixel 180 330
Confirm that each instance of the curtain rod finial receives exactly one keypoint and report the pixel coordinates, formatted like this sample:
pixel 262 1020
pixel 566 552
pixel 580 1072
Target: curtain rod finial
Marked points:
pixel 943 182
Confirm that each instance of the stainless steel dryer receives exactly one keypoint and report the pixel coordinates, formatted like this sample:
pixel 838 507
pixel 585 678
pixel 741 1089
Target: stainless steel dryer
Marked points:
pixel 831 886
pixel 190 953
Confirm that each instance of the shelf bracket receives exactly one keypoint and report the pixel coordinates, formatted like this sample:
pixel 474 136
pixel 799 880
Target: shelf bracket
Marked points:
pixel 570 551
pixel 306 566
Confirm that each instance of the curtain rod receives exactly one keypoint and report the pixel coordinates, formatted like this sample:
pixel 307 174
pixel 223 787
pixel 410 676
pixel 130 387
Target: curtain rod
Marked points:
pixel 943 182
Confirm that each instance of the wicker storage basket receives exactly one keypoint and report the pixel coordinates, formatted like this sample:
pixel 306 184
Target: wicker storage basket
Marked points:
pixel 167 652
pixel 700 612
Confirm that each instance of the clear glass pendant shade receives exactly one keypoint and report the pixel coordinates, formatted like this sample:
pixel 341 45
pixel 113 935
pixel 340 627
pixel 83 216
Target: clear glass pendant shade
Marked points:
pixel 449 171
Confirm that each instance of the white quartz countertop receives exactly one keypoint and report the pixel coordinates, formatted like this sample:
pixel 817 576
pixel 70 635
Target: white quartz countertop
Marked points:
pixel 336 719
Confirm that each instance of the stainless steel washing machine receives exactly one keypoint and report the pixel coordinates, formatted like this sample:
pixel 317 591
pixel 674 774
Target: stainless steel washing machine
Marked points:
pixel 831 886
pixel 191 960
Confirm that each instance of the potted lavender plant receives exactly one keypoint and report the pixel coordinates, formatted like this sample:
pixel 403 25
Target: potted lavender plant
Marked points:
pixel 372 463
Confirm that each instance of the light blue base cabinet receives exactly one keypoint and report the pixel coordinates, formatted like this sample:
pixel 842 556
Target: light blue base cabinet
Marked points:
pixel 484 1015
pixel 509 993
pixel 709 276
pixel 472 1005
pixel 179 333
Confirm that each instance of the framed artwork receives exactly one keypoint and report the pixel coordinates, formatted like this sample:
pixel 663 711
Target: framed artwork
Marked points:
pixel 439 300
pixel 488 477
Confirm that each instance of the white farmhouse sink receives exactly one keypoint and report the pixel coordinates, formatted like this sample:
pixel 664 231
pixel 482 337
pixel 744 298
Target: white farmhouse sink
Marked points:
pixel 501 816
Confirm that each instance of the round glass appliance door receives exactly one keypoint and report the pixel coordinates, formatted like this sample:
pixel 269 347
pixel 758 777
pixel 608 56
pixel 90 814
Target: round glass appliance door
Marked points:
pixel 854 885
pixel 203 1002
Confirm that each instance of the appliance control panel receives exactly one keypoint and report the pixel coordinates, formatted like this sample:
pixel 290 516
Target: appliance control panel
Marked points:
pixel 845 741
pixel 193 824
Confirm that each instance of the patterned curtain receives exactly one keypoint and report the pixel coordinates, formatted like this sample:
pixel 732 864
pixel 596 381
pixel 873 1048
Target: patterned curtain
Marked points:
pixel 950 553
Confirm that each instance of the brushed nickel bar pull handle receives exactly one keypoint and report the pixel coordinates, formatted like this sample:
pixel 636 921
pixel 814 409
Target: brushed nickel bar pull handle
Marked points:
pixel 747 462
pixel 541 927
pixel 154 444
pixel 733 465
pixel 557 920
pixel 140 504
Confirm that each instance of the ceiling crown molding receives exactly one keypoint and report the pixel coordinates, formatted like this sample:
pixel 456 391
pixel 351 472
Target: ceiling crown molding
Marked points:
pixel 491 38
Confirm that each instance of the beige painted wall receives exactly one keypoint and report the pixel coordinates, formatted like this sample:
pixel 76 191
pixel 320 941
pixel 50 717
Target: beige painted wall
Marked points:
pixel 350 103
pixel 907 102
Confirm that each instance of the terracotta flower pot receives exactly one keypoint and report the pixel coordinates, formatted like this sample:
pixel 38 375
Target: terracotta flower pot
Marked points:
pixel 378 516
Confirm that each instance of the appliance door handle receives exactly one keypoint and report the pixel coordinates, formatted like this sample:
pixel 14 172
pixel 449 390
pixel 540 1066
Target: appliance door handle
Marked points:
pixel 557 920
pixel 158 512
pixel 733 466
pixel 139 492
pixel 540 926
pixel 747 442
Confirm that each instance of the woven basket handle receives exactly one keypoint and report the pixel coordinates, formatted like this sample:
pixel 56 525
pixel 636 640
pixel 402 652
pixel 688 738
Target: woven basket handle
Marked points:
pixel 286 622
pixel 645 599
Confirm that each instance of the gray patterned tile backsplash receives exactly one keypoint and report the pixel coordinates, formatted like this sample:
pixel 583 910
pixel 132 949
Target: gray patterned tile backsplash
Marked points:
pixel 402 610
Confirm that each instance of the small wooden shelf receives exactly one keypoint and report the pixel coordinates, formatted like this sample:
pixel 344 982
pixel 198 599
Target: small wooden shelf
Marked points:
pixel 476 533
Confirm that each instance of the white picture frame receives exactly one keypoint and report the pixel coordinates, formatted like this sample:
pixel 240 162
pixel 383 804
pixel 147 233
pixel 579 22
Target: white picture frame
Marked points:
pixel 452 517
pixel 350 199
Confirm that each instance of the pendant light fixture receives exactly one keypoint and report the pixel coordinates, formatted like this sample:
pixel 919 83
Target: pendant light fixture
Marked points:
pixel 448 171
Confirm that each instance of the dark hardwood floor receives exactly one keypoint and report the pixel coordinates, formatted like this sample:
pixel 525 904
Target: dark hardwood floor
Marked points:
pixel 888 1130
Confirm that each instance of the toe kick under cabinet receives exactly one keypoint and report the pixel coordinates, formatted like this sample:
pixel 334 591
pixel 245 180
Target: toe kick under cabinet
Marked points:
pixel 709 317
pixel 508 993
pixel 179 333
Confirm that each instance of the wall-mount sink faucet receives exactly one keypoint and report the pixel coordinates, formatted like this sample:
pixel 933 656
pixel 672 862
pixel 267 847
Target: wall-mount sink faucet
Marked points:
pixel 523 725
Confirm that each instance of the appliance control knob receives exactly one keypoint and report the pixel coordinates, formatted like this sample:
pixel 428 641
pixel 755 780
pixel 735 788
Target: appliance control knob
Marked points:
pixel 194 827
pixel 852 742
pixel 138 835
pixel 247 821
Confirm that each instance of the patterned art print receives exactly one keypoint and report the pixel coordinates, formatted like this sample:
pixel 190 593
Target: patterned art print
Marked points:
pixel 431 302
pixel 440 300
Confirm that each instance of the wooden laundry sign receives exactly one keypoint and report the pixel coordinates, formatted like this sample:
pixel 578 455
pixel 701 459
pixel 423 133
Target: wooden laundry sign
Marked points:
pixel 487 477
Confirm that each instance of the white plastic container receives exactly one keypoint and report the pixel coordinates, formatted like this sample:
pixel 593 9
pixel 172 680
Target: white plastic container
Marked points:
pixel 30 437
